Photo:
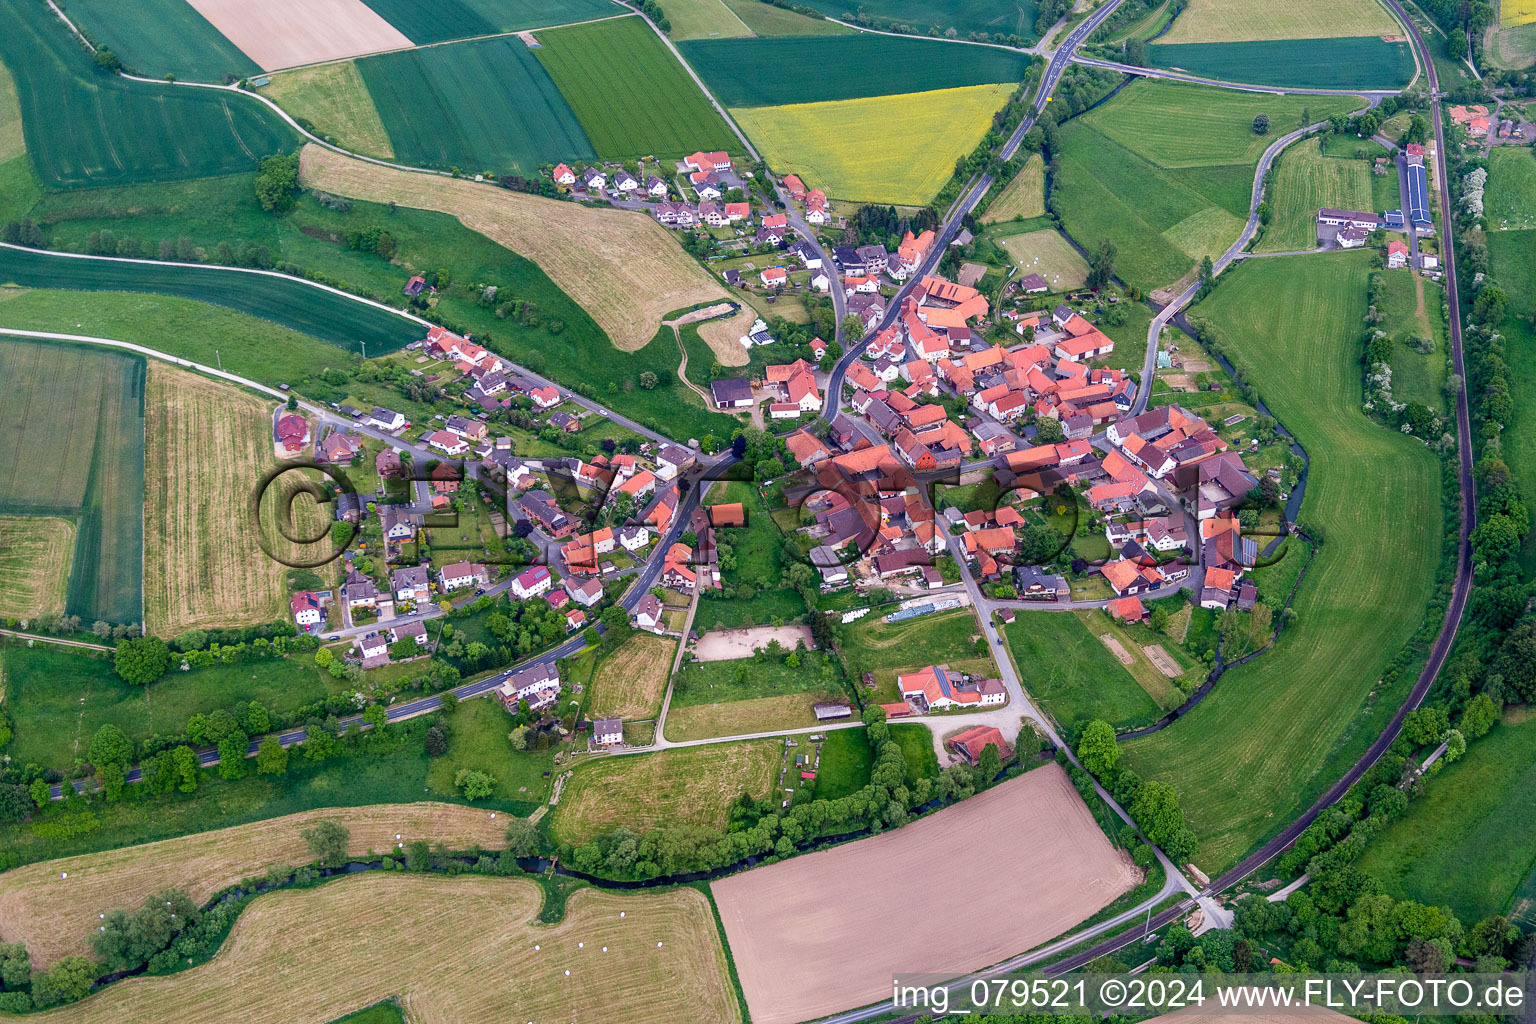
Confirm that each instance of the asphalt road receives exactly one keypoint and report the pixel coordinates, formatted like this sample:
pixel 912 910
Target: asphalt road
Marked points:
pixel 1374 95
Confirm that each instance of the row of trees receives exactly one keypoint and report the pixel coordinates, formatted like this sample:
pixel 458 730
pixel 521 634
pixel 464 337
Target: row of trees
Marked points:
pixel 1153 805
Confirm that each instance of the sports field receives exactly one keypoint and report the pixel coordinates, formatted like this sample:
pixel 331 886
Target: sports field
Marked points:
pixel 1262 744
pixel 1073 675
pixel 449 948
pixel 160 37
pixel 1223 21
pixel 1353 62
pixel 73 422
pixel 862 149
pixel 35 557
pixel 1024 197
pixel 630 93
pixel 704 19
pixel 621 267
pixel 338 319
pixel 286 33
pixel 485 105
pixel 1470 840
pixel 769 71
pixel 433 21
pixel 688 786
pixel 1166 172
pixel 1306 181
pixel 1048 254
pixel 85 128
pixel 53 915
pixel 207 445
pixel 629 682
pixel 1511 195
pixel 937 17
pixel 335 100
pixel 805 944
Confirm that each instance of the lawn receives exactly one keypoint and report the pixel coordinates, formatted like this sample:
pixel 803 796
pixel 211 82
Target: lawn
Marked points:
pixel 1274 732
pixel 1048 254
pixel 846 758
pixel 35 557
pixel 477 740
pixel 1024 197
pixel 160 37
pixel 860 149
pixel 334 100
pixel 744 717
pixel 716 682
pixel 1306 181
pixel 1073 676
pixel 630 681
pixel 1356 62
pixel 484 105
pixel 84 407
pixel 1220 21
pixel 768 20
pixel 339 319
pixel 207 447
pixel 84 127
pixel 938 17
pixel 631 95
pixel 1166 172
pixel 1469 841
pixel 1511 195
pixel 704 19
pixel 1512 260
pixel 641 792
pixel 59 698
pixel 758 546
pixel 766 72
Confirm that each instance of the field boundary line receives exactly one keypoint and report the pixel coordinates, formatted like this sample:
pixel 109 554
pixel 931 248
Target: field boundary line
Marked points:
pixel 58 640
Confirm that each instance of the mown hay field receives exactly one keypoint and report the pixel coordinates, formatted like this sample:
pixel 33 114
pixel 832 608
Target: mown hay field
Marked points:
pixel 687 786
pixel 1073 675
pixel 160 37
pixel 629 682
pixel 743 717
pixel 85 128
pixel 767 20
pixel 1353 62
pixel 1048 254
pixel 1307 181
pixel 936 17
pixel 861 149
pixel 1224 21
pixel 433 21
pixel 631 95
pixel 54 914
pixel 1511 197
pixel 1024 197
pixel 337 318
pixel 1470 841
pixel 452 950
pixel 1511 46
pixel 335 99
pixel 1266 740
pixel 73 422
pixel 805 944
pixel 35 557
pixel 622 267
pixel 206 448
pixel 484 105
pixel 704 19
pixel 768 71
pixel 286 33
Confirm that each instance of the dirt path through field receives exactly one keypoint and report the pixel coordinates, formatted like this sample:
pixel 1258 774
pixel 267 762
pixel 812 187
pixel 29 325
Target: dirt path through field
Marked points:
pixel 1165 664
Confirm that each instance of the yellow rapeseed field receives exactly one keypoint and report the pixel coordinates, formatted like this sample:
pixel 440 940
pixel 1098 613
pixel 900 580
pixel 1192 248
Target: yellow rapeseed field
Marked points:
pixel 886 149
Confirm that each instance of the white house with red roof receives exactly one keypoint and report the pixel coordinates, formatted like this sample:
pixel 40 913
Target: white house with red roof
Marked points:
pixel 546 397
pixel 451 445
pixel 308 608
pixel 773 277
pixel 1397 254
pixel 707 162
pixel 529 583
pixel 465 574
pixel 563 175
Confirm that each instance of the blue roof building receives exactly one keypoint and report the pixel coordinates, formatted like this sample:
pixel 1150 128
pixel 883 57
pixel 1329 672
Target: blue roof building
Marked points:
pixel 1418 197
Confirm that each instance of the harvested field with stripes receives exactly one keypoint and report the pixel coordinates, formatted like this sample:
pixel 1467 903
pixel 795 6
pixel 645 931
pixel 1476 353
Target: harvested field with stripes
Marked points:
pixel 452 949
pixel 53 915
pixel 622 267
pixel 335 99
pixel 206 447
pixel 1024 196
pixel 630 681
pixel 35 557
